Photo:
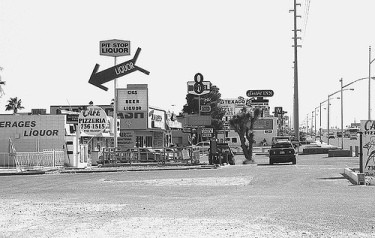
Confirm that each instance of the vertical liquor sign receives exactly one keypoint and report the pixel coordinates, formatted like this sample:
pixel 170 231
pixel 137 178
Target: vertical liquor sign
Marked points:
pixel 368 145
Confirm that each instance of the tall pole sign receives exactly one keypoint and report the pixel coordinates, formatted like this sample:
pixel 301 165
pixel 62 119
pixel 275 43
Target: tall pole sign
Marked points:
pixel 115 48
pixel 198 87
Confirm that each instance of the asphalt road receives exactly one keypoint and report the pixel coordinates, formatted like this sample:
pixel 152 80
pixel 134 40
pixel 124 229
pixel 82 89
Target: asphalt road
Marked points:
pixel 309 199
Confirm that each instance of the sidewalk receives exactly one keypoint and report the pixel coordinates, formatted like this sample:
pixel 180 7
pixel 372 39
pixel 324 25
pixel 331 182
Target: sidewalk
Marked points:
pixel 110 168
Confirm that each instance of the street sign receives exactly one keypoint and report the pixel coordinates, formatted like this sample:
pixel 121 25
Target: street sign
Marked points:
pixel 278 110
pixel 186 129
pixel 98 78
pixel 205 108
pixel 92 121
pixel 207 130
pixel 259 93
pixel 114 47
pixel 206 87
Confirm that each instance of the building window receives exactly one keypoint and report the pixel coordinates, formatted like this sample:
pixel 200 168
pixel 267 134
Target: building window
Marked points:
pixel 148 141
pixel 139 141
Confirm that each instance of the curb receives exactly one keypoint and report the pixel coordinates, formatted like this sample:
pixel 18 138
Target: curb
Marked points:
pixel 30 172
pixel 108 170
pixel 355 178
pixel 134 169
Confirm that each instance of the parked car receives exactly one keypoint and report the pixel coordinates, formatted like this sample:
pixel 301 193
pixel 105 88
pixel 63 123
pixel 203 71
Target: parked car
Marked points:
pixel 224 152
pixel 331 136
pixel 282 152
pixel 277 139
pixel 203 146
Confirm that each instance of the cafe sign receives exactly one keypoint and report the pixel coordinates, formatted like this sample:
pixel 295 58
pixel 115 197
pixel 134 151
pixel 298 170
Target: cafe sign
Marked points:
pixel 92 121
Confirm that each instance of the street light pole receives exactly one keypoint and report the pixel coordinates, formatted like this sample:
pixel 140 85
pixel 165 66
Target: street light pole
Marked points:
pixel 315 122
pixel 341 106
pixel 342 115
pixel 328 120
pixel 312 125
pixel 369 82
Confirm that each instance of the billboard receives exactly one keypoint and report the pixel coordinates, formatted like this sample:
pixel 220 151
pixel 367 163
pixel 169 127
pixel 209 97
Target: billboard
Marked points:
pixel 132 106
pixel 156 118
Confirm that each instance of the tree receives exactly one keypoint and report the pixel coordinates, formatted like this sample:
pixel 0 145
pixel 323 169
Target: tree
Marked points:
pixel 14 104
pixel 213 100
pixel 243 124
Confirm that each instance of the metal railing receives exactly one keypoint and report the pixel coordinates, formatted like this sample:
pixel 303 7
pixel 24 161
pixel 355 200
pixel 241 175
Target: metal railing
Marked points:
pixel 46 158
pixel 144 155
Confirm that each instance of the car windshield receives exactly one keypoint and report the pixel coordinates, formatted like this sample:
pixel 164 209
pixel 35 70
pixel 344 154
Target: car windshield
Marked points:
pixel 282 145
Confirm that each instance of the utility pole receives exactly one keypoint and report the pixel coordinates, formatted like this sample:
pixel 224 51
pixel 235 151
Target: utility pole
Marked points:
pixel 295 46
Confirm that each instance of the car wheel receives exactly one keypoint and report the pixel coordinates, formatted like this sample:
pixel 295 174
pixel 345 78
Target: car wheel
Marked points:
pixel 294 161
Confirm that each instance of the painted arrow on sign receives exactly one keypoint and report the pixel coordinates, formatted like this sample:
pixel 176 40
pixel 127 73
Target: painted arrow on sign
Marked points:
pixel 98 78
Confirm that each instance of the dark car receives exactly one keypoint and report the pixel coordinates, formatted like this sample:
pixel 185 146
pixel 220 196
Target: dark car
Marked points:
pixel 282 152
pixel 224 154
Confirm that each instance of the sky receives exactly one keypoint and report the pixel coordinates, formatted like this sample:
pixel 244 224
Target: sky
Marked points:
pixel 48 50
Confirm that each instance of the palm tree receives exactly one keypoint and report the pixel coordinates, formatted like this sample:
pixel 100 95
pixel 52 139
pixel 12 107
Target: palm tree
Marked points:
pixel 14 104
pixel 243 124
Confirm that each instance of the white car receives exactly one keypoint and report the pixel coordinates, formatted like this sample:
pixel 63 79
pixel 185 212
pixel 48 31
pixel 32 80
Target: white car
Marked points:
pixel 204 147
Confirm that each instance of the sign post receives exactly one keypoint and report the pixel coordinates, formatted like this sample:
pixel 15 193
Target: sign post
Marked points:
pixel 115 48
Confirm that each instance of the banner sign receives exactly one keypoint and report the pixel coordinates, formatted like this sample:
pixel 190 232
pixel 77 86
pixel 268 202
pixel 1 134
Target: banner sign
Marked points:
pixel 126 139
pixel 368 142
pixel 259 93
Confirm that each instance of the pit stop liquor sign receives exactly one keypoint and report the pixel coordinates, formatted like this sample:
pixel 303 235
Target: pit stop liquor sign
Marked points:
pixel 115 48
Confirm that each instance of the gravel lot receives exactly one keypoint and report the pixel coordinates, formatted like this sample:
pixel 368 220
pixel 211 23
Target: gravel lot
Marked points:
pixel 233 201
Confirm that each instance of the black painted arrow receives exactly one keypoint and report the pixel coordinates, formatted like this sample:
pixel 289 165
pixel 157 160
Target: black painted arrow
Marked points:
pixel 98 78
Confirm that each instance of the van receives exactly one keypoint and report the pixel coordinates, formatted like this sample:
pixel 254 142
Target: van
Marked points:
pixel 234 143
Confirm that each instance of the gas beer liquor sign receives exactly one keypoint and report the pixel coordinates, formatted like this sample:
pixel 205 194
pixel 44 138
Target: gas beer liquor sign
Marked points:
pixel 92 121
pixel 115 48
pixel 132 107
